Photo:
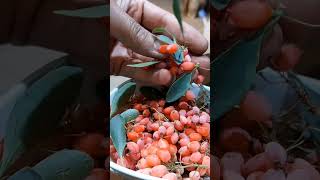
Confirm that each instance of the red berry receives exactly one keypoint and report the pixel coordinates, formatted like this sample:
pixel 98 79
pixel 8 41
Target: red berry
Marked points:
pixel 163 49
pixel 187 66
pixel 172 48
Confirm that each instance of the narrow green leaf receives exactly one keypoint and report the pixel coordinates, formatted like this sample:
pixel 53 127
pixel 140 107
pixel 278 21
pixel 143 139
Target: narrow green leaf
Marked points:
pixel 122 97
pixel 159 30
pixel 165 39
pixel 91 12
pixel 179 88
pixel 178 56
pixel 66 165
pixel 177 12
pixel 220 4
pixel 151 93
pixel 145 64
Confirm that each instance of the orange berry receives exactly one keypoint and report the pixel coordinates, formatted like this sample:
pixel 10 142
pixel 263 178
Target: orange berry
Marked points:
pixel 139 128
pixel 183 151
pixel 168 110
pixel 188 131
pixel 184 142
pixel 194 146
pixel 178 125
pixel 163 49
pixel 174 138
pixel 163 144
pixel 187 66
pixel 133 147
pixel 203 130
pixel 164 155
pixel 133 136
pixel 195 157
pixel 142 164
pixel 159 171
pixel 195 137
pixel 170 131
pixel 190 96
pixel 173 149
pixel 174 115
pixel 144 121
pixel 172 48
pixel 170 176
pixel 153 160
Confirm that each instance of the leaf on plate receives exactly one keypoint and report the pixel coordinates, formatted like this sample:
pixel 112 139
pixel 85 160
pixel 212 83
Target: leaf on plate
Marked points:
pixel 145 64
pixel 179 87
pixel 91 12
pixel 122 97
pixel 118 131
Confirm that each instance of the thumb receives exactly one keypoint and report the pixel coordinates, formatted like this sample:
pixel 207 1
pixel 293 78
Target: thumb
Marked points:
pixel 132 34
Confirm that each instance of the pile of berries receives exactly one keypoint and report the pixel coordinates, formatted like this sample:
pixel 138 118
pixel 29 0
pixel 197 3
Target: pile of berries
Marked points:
pixel 177 69
pixel 168 142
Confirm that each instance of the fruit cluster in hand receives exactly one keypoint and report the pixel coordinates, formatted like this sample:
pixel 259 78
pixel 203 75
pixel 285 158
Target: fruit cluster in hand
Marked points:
pixel 169 142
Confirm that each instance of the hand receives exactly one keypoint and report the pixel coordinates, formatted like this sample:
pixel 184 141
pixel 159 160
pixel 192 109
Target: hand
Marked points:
pixel 131 22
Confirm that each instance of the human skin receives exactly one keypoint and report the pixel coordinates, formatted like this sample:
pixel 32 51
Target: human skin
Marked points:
pixel 130 23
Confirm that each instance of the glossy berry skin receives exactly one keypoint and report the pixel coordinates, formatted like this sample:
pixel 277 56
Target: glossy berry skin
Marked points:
pixel 172 48
pixel 163 49
pixel 159 171
pixel 187 66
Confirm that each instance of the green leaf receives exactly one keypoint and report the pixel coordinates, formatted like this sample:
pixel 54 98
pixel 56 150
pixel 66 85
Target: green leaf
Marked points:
pixel 129 114
pixel 151 93
pixel 159 30
pixel 234 71
pixel 66 165
pixel 122 97
pixel 145 64
pixel 37 114
pixel 220 4
pixel 91 12
pixel 177 12
pixel 165 39
pixel 118 131
pixel 25 174
pixel 179 88
pixel 178 56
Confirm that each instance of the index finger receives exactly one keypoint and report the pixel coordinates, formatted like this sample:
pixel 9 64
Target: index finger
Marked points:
pixel 153 17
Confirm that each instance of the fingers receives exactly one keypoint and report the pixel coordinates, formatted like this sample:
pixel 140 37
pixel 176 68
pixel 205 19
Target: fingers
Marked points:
pixel 153 17
pixel 160 77
pixel 204 68
pixel 132 34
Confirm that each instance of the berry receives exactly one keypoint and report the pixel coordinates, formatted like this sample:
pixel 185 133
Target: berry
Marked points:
pixel 199 79
pixel 163 144
pixel 153 160
pixel 172 48
pixel 164 155
pixel 187 58
pixel 194 146
pixel 195 137
pixel 195 157
pixel 170 176
pixel 174 115
pixel 163 49
pixel 289 57
pixel 133 147
pixel 159 171
pixel 194 175
pixel 139 128
pixel 133 136
pixel 276 152
pixel 174 138
pixel 187 66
